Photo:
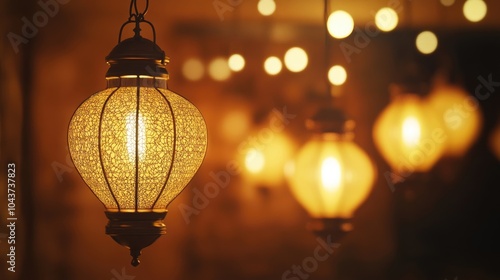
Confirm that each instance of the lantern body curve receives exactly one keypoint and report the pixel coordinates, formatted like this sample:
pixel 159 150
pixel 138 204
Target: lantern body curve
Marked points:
pixel 409 134
pixel 332 176
pixel 137 144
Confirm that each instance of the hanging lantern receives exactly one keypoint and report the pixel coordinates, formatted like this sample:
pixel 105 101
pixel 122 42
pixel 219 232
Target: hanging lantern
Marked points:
pixel 460 115
pixel 136 144
pixel 265 153
pixel 409 134
pixel 332 175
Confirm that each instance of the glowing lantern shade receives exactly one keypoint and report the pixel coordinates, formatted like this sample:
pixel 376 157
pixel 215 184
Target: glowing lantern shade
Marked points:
pixel 408 134
pixel 332 175
pixel 264 163
pixel 136 144
pixel 460 114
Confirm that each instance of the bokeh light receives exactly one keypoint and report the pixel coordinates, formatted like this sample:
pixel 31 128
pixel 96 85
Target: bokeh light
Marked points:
pixel 337 75
pixel 266 7
pixel 426 42
pixel 340 24
pixel 273 65
pixel 296 59
pixel 236 62
pixel 475 10
pixel 193 69
pixel 386 19
pixel 218 69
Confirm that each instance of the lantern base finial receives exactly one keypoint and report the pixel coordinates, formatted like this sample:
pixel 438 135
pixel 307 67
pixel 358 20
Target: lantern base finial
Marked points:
pixel 336 228
pixel 135 230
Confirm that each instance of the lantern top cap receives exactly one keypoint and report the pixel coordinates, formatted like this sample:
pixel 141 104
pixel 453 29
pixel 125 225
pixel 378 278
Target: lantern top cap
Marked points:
pixel 136 47
pixel 330 120
pixel 137 56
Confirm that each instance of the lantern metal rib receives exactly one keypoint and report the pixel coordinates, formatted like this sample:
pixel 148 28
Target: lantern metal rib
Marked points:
pixel 100 150
pixel 173 150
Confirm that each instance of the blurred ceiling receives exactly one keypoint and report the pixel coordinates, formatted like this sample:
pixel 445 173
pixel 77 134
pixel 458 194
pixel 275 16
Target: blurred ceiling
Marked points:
pixel 416 14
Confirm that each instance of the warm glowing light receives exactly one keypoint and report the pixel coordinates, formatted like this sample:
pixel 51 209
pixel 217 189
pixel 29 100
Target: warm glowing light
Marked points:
pixel 296 59
pixel 409 135
pixel 192 69
pixel 427 42
pixel 218 69
pixel 273 65
pixel 475 10
pixel 127 165
pixel 337 75
pixel 254 161
pixel 236 62
pixel 132 142
pixel 266 156
pixel 447 3
pixel 332 177
pixel 340 24
pixel 266 7
pixel 386 19
pixel 331 174
pixel 411 131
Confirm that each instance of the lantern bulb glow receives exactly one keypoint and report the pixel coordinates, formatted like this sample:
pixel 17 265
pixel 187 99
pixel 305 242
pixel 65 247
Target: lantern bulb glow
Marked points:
pixel 331 174
pixel 411 131
pixel 132 142
pixel 254 161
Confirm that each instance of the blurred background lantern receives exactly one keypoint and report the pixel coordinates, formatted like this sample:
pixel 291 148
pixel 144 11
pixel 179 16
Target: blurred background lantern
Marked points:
pixel 408 133
pixel 265 152
pixel 332 175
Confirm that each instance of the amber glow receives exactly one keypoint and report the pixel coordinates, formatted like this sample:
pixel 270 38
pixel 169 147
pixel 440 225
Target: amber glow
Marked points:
pixel 236 62
pixel 337 75
pixel 266 7
pixel 340 24
pixel 131 136
pixel 132 167
pixel 296 59
pixel 265 159
pixel 331 173
pixel 331 177
pixel 254 161
pixel 273 65
pixel 386 19
pixel 426 42
pixel 409 135
pixel 475 10
pixel 411 131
